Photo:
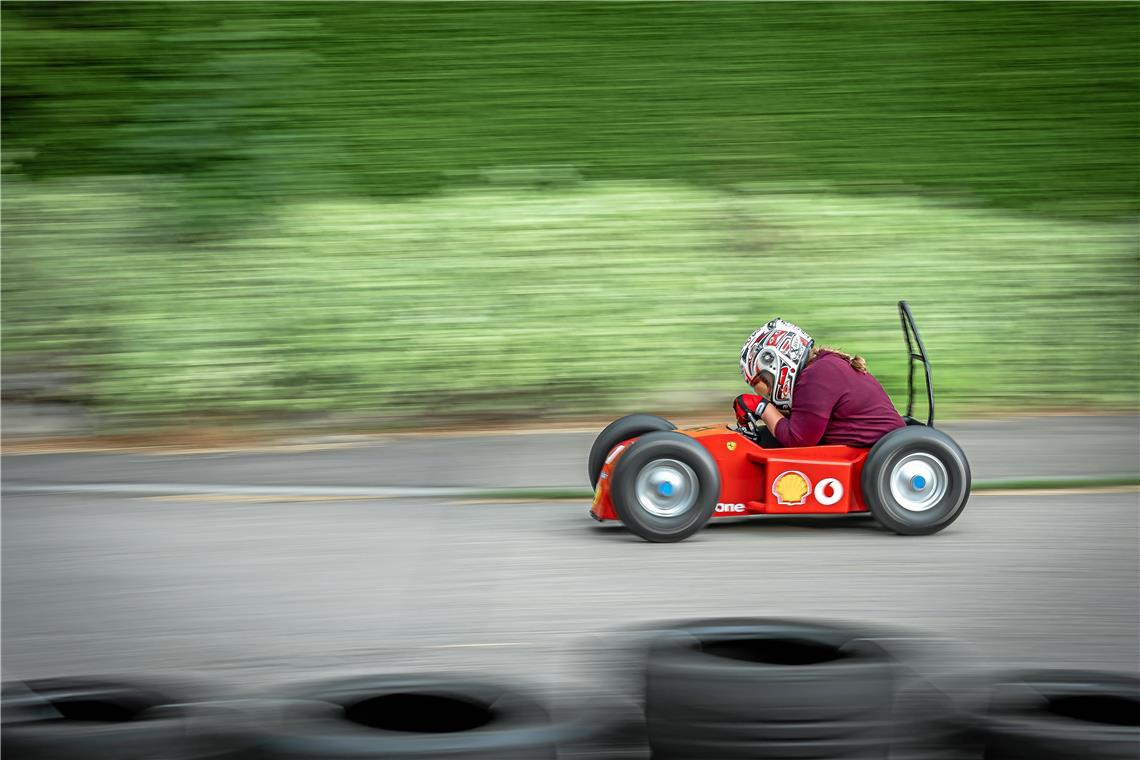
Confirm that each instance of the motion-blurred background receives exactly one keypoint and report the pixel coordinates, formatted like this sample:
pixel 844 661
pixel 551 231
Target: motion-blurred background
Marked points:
pixel 269 211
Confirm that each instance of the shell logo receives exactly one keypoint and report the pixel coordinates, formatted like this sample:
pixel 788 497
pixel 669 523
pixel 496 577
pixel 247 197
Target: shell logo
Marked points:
pixel 791 488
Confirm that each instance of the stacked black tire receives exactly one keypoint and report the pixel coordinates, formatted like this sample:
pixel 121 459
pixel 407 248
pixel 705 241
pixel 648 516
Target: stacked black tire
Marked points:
pixel 422 717
pixel 101 719
pixel 1060 716
pixel 736 689
pixel 721 690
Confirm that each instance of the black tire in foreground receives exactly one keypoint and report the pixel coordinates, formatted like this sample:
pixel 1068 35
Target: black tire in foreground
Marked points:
pixel 630 426
pixel 1061 716
pixel 766 689
pixel 95 719
pixel 916 480
pixel 418 717
pixel 926 724
pixel 665 487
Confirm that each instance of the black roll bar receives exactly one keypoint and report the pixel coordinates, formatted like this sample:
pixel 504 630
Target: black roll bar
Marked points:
pixel 910 329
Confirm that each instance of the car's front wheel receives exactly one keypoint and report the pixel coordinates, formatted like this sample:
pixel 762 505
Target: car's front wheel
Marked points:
pixel 629 426
pixel 665 487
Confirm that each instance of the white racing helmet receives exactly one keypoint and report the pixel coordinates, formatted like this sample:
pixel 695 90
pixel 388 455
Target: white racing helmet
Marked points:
pixel 780 349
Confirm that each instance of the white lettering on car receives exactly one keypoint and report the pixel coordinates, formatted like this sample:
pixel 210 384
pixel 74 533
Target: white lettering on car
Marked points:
pixel 723 508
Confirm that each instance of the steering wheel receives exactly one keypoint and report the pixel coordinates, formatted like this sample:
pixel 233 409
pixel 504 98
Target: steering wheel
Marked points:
pixel 752 425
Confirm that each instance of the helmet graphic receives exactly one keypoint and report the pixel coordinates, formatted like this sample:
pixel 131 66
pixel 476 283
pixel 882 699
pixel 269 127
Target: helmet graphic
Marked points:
pixel 781 349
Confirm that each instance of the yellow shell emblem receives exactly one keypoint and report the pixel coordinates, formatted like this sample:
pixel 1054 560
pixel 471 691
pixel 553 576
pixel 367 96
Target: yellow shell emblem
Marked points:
pixel 791 487
pixel 731 445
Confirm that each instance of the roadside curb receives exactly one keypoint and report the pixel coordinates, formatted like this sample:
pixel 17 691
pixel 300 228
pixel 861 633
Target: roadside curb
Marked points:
pixel 267 492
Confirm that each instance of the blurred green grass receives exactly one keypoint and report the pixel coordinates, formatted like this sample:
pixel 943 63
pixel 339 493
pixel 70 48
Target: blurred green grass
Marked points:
pixel 542 209
pixel 597 297
pixel 1024 105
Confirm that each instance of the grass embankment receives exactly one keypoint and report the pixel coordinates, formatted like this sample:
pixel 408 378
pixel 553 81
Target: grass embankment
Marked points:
pixel 588 298
pixel 1028 106
pixel 201 212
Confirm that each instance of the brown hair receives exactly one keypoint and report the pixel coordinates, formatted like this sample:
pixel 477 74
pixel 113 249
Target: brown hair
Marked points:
pixel 858 363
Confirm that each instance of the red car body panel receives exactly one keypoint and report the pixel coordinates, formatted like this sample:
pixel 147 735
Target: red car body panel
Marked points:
pixel 808 480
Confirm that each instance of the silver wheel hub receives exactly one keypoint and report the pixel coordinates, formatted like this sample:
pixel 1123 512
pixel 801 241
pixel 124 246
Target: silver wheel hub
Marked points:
pixel 666 487
pixel 918 482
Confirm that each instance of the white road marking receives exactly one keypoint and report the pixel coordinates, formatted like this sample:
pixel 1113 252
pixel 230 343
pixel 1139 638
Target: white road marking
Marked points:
pixel 482 646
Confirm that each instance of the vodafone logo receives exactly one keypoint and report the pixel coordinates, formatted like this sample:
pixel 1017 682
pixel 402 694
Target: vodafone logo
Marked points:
pixel 828 491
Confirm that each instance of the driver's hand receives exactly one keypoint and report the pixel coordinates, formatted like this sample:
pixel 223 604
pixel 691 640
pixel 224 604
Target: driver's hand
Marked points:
pixel 748 406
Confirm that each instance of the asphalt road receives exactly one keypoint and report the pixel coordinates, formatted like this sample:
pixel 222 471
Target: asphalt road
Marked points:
pixel 997 449
pixel 247 593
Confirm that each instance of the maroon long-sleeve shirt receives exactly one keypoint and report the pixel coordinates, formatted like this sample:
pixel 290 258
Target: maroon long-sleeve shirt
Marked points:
pixel 833 403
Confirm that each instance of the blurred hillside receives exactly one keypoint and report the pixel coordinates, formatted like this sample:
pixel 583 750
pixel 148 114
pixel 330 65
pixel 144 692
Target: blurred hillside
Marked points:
pixel 543 209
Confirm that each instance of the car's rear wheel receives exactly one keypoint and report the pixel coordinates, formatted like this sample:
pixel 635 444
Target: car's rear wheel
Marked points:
pixel 665 487
pixel 916 480
pixel 622 429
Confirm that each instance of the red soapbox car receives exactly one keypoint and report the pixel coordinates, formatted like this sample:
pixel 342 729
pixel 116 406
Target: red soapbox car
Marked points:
pixel 665 483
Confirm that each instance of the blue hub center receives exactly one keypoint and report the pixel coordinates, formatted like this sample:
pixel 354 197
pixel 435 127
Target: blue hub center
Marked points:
pixel 665 489
pixel 918 482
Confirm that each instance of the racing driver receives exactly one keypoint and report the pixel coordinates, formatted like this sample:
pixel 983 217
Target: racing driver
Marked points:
pixel 807 395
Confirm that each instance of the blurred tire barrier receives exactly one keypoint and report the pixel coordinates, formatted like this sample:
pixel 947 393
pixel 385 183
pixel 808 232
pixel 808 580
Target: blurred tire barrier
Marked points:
pixel 68 718
pixel 714 690
pixel 926 725
pixel 423 716
pixel 1062 715
pixel 767 689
